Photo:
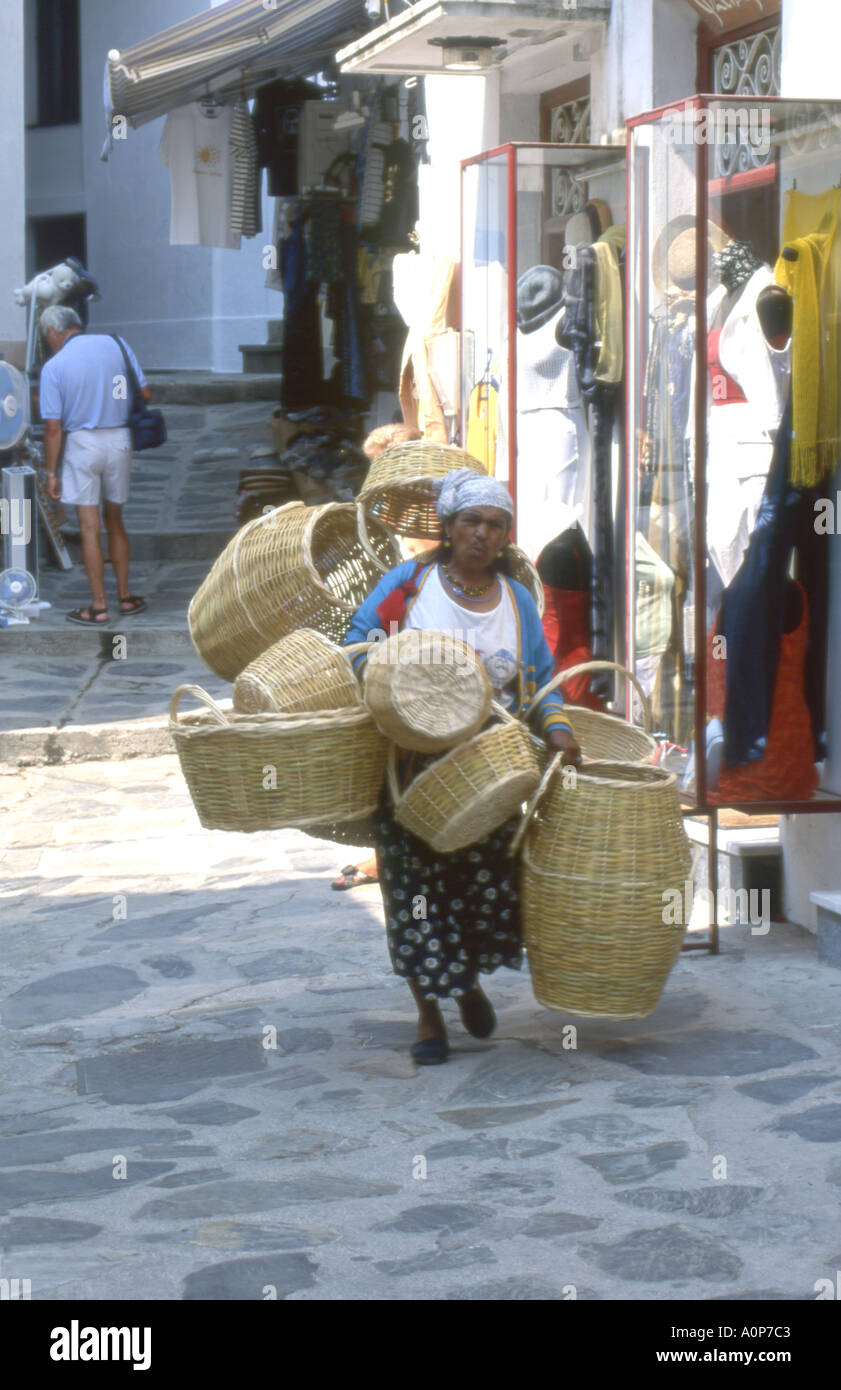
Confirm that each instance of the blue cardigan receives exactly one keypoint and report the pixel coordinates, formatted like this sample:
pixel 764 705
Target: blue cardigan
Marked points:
pixel 533 656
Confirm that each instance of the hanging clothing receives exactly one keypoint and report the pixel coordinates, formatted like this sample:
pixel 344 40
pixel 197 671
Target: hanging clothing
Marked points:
pixel 786 770
pixel 812 230
pixel 301 357
pixel 196 148
pixel 482 420
pixel 422 287
pixel 748 387
pixel 553 443
pixel 277 114
pixel 753 607
pixel 610 323
pixel 246 218
pixel 565 567
pixel 400 197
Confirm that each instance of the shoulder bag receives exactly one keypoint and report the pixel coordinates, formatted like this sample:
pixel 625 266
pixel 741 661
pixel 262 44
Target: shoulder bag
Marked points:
pixel 148 427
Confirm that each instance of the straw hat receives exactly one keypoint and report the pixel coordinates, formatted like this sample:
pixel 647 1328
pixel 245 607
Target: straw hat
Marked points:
pixel 673 258
pixel 586 226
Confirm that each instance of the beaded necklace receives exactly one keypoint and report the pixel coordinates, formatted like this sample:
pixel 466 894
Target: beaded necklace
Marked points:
pixel 467 590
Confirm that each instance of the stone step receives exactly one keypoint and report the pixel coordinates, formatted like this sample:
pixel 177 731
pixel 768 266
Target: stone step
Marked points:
pixel 261 357
pixel 213 388
pixel 45 639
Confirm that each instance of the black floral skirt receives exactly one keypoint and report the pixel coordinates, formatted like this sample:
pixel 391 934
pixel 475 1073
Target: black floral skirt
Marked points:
pixel 449 917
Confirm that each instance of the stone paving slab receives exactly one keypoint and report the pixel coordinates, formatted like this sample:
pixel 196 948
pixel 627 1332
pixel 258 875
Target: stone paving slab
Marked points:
pixel 206 1088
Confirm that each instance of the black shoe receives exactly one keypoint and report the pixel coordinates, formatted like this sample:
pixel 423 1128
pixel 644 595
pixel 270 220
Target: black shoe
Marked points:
pixel 429 1052
pixel 477 1013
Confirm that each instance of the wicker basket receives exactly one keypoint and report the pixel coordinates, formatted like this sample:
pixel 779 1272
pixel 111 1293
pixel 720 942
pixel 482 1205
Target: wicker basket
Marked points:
pixel 472 790
pixel 606 736
pixel 328 767
pixel 301 672
pixel 596 862
pixel 427 690
pixel 294 567
pixel 402 485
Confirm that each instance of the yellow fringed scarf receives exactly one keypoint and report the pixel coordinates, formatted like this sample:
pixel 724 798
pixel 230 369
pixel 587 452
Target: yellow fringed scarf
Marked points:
pixel 813 280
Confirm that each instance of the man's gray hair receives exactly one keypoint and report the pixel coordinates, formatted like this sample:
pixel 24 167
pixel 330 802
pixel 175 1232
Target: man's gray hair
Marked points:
pixel 60 317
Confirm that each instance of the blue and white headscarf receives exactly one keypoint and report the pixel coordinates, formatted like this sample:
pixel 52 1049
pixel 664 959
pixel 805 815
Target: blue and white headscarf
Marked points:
pixel 462 488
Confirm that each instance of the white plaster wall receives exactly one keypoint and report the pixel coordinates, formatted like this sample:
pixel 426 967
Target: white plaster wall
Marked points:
pixel 460 125
pixel 12 176
pixel 812 844
pixel 180 306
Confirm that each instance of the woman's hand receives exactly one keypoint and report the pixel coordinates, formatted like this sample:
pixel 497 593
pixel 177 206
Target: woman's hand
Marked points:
pixel 565 744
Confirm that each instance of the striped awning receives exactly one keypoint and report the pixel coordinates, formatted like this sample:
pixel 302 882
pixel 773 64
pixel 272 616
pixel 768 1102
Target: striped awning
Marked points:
pixel 235 46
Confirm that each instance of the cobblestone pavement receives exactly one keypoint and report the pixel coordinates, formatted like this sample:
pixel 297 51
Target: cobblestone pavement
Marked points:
pixel 205 1089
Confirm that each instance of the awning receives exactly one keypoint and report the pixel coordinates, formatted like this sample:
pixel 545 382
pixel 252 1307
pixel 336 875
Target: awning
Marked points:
pixel 236 46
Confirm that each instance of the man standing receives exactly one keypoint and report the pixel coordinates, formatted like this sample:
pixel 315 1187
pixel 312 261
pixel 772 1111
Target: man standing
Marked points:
pixel 85 396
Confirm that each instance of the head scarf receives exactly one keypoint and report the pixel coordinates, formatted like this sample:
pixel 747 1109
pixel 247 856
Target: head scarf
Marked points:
pixel 735 264
pixel 462 488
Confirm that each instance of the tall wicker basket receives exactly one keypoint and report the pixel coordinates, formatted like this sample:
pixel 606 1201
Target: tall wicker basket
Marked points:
pixel 250 772
pixel 294 567
pixel 599 860
pixel 402 484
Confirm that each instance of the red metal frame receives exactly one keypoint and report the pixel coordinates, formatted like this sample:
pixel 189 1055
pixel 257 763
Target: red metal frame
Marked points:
pixel 511 234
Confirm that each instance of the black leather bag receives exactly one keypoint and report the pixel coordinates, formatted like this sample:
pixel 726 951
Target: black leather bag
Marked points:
pixel 148 427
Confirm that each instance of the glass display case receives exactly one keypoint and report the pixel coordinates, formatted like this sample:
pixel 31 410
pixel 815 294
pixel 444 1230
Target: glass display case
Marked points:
pixel 733 440
pixel 542 254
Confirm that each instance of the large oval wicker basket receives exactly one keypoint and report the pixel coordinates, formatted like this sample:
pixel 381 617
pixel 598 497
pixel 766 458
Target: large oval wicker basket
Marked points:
pixel 606 736
pixel 473 789
pixel 600 858
pixel 294 567
pixel 304 671
pixel 402 485
pixel 427 690
pixel 250 772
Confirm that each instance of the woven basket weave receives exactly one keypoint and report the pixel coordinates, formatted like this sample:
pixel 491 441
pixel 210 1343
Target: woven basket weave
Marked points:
pixel 328 767
pixel 303 671
pixel 426 690
pixel 606 736
pixel 597 860
pixel 294 567
pixel 402 485
pixel 473 789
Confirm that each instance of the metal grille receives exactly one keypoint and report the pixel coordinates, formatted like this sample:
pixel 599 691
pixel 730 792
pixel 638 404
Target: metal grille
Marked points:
pixel 746 67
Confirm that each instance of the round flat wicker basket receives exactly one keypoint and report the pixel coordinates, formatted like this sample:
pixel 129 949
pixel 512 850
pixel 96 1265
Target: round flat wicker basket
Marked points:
pixel 598 860
pixel 269 771
pixel 401 485
pixel 473 789
pixel 426 690
pixel 606 736
pixel 294 567
pixel 304 671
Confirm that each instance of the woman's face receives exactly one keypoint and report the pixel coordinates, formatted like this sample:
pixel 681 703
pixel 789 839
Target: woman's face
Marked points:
pixel 478 535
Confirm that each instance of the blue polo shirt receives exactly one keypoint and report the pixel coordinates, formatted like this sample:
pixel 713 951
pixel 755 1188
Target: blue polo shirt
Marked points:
pixel 85 385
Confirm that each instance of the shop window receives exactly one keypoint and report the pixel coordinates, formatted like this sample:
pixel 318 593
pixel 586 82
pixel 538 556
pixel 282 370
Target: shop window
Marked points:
pixel 57 62
pixel 565 120
pixel 53 239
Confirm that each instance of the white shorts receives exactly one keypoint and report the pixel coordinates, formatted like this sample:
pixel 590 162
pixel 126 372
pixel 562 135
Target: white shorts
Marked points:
pixel 96 465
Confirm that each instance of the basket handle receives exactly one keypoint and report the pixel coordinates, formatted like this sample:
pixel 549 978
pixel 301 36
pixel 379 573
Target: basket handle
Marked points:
pixel 218 714
pixel 534 802
pixel 583 666
pixel 365 539
pixel 356 647
pixel 391 773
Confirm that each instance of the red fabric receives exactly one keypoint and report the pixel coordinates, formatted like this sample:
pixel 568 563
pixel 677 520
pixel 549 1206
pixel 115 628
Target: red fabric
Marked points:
pixel 723 389
pixel 566 627
pixel 393 606
pixel 787 772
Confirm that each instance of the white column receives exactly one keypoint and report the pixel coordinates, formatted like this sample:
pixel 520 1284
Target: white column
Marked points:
pixel 12 180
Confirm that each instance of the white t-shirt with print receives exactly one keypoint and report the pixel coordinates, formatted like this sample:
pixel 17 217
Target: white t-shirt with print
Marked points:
pixel 196 150
pixel 493 635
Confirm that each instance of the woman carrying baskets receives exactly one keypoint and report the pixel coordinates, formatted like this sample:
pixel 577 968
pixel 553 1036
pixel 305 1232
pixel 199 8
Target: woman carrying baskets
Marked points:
pixel 451 917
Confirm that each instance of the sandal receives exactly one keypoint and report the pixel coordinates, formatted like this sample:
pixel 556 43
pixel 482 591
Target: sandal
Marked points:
pixel 135 605
pixel 350 877
pixel 477 1013
pixel 96 617
pixel 429 1052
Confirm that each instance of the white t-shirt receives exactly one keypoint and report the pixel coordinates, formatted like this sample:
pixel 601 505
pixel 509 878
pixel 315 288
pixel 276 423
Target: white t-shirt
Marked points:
pixel 493 635
pixel 196 150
